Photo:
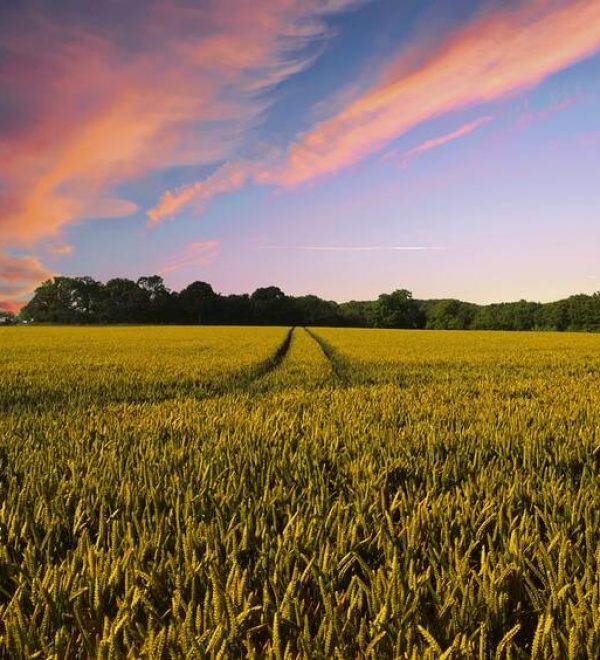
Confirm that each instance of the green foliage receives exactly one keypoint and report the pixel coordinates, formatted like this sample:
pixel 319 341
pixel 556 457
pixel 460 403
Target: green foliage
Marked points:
pixel 398 310
pixel 449 314
pixel 236 492
pixel 82 300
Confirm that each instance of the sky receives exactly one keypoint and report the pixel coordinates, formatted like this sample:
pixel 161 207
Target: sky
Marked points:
pixel 343 148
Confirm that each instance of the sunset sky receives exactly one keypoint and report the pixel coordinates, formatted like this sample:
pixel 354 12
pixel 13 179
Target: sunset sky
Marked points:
pixel 337 147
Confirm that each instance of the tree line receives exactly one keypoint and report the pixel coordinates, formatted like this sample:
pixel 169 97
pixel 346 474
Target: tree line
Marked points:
pixel 83 300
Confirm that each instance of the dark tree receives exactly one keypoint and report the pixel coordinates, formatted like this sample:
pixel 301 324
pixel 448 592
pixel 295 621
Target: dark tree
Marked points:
pixel 66 300
pixel 124 302
pixel 449 314
pixel 160 305
pixel 398 310
pixel 312 310
pixel 84 300
pixel 198 303
pixel 358 314
pixel 236 310
pixel 270 306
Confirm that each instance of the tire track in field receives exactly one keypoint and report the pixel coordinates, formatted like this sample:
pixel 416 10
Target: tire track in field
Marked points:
pixel 340 366
pixel 353 372
pixel 237 381
pixel 304 367
pixel 242 381
pixel 273 361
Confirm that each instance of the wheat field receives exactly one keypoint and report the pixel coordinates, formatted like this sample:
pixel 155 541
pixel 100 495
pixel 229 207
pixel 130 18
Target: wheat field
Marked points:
pixel 310 493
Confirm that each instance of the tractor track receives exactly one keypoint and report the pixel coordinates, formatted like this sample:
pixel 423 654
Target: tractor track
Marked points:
pixel 242 381
pixel 341 368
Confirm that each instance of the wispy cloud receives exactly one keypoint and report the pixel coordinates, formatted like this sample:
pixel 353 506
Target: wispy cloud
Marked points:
pixel 440 141
pixel 93 100
pixel 530 115
pixel 226 178
pixel 501 52
pixel 498 54
pixel 195 255
pixel 19 276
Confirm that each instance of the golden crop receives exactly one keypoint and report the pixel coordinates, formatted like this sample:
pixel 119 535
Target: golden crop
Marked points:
pixel 243 492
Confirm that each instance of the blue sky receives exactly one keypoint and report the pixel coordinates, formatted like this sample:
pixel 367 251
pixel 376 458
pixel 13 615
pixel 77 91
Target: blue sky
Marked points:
pixel 338 147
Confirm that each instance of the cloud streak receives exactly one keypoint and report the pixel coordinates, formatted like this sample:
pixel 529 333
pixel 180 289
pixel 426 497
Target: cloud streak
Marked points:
pixel 92 100
pixel 499 53
pixel 225 179
pixel 440 141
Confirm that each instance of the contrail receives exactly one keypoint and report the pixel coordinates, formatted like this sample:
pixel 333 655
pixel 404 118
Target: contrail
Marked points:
pixel 355 248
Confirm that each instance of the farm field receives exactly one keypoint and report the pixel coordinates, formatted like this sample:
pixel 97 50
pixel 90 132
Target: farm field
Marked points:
pixel 307 493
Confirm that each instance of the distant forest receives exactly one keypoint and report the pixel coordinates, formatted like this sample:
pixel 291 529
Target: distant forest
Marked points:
pixel 83 300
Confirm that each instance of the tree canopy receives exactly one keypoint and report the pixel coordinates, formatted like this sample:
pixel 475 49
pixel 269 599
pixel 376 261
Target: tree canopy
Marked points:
pixel 83 300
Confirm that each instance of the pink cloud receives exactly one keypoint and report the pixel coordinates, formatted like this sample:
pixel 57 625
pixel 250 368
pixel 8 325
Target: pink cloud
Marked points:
pixel 227 178
pixel 500 53
pixel 61 250
pixel 11 306
pixel 199 254
pixel 440 141
pixel 19 276
pixel 92 102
